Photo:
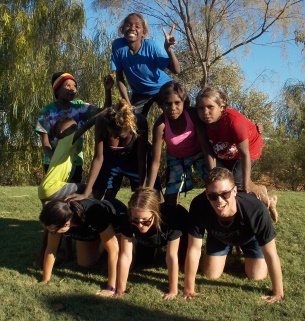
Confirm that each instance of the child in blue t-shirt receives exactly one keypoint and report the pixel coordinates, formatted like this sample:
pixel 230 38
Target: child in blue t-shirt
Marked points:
pixel 142 62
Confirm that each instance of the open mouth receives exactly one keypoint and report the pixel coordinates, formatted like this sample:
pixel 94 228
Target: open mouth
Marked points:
pixel 131 34
pixel 221 206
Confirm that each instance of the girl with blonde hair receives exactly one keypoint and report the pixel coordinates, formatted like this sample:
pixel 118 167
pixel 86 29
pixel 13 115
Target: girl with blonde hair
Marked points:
pixel 121 144
pixel 152 225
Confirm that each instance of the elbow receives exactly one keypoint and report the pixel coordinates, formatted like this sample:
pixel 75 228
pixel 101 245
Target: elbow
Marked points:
pixel 178 70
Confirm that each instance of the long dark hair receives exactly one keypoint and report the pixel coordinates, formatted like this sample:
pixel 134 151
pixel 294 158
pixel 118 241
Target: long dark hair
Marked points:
pixel 57 213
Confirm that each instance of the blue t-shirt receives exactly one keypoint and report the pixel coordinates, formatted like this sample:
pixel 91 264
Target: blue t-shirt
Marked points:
pixel 144 70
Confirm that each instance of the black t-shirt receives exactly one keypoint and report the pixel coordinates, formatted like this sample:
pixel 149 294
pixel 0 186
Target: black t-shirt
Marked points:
pixel 252 219
pixel 99 214
pixel 173 226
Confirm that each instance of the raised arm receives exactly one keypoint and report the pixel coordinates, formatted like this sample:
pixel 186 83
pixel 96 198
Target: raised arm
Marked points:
pixel 275 272
pixel 124 263
pixel 173 268
pixel 108 84
pixel 87 125
pixel 170 41
pixel 191 266
pixel 158 131
pixel 49 256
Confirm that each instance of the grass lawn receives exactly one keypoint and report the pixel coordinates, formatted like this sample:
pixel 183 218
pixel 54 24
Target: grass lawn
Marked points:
pixel 71 293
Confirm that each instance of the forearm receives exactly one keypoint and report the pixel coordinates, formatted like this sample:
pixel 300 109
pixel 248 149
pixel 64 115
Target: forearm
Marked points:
pixel 123 272
pixel 108 98
pixel 246 171
pixel 174 65
pixel 190 269
pixel 210 161
pixel 48 264
pixel 93 174
pixel 153 174
pixel 123 90
pixel 173 273
pixel 112 268
pixel 275 273
pixel 142 172
pixel 48 150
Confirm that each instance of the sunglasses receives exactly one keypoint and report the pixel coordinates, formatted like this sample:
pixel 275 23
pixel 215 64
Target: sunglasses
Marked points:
pixel 144 223
pixel 224 195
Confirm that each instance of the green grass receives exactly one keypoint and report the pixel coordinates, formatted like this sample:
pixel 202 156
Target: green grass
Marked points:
pixel 72 289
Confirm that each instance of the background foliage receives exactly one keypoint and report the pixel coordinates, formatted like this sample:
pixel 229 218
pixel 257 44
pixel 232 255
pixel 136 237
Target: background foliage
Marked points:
pixel 39 38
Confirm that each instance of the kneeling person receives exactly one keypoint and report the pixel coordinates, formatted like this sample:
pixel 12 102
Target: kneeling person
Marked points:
pixel 90 222
pixel 231 218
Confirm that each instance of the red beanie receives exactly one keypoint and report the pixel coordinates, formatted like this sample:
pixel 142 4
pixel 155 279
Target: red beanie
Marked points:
pixel 57 81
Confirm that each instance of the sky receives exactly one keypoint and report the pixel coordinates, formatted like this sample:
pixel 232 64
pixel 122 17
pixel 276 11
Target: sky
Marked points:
pixel 265 68
pixel 274 66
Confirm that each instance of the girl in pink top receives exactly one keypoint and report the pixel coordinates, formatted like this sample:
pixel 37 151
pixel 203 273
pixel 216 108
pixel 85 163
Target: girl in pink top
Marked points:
pixel 186 144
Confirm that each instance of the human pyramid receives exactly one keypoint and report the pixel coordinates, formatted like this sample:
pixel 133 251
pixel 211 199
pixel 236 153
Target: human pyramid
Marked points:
pixel 212 138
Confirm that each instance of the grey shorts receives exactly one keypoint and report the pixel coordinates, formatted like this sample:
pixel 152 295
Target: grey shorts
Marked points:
pixel 66 190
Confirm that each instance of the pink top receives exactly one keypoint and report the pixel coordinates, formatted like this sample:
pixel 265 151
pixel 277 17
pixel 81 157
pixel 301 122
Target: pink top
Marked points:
pixel 185 144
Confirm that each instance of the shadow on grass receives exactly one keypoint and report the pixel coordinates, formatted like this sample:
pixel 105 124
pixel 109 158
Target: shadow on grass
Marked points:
pixel 20 247
pixel 20 243
pixel 91 307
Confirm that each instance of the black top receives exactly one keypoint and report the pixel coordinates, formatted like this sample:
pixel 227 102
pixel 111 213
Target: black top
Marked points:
pixel 173 226
pixel 130 149
pixel 99 214
pixel 252 219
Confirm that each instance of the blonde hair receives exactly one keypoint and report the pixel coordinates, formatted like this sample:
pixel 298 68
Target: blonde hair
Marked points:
pixel 143 20
pixel 146 199
pixel 216 95
pixel 120 116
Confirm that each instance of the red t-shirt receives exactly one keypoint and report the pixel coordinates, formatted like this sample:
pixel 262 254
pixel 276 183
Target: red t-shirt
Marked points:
pixel 233 128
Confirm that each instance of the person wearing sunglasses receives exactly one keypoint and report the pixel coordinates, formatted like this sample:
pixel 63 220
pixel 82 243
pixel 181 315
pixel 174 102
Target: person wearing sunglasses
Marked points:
pixel 153 225
pixel 231 218
pixel 91 223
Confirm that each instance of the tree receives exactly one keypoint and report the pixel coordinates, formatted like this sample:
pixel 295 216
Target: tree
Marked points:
pixel 213 29
pixel 38 38
pixel 283 161
pixel 291 108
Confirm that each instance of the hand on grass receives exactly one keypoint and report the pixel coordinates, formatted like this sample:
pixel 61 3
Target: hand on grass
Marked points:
pixel 168 296
pixel 105 293
pixel 189 295
pixel 118 294
pixel 273 298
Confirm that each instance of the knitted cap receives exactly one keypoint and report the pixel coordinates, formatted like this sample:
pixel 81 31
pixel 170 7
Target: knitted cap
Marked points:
pixel 58 78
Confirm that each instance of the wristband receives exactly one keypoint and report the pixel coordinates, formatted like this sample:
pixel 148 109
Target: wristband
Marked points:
pixel 110 288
